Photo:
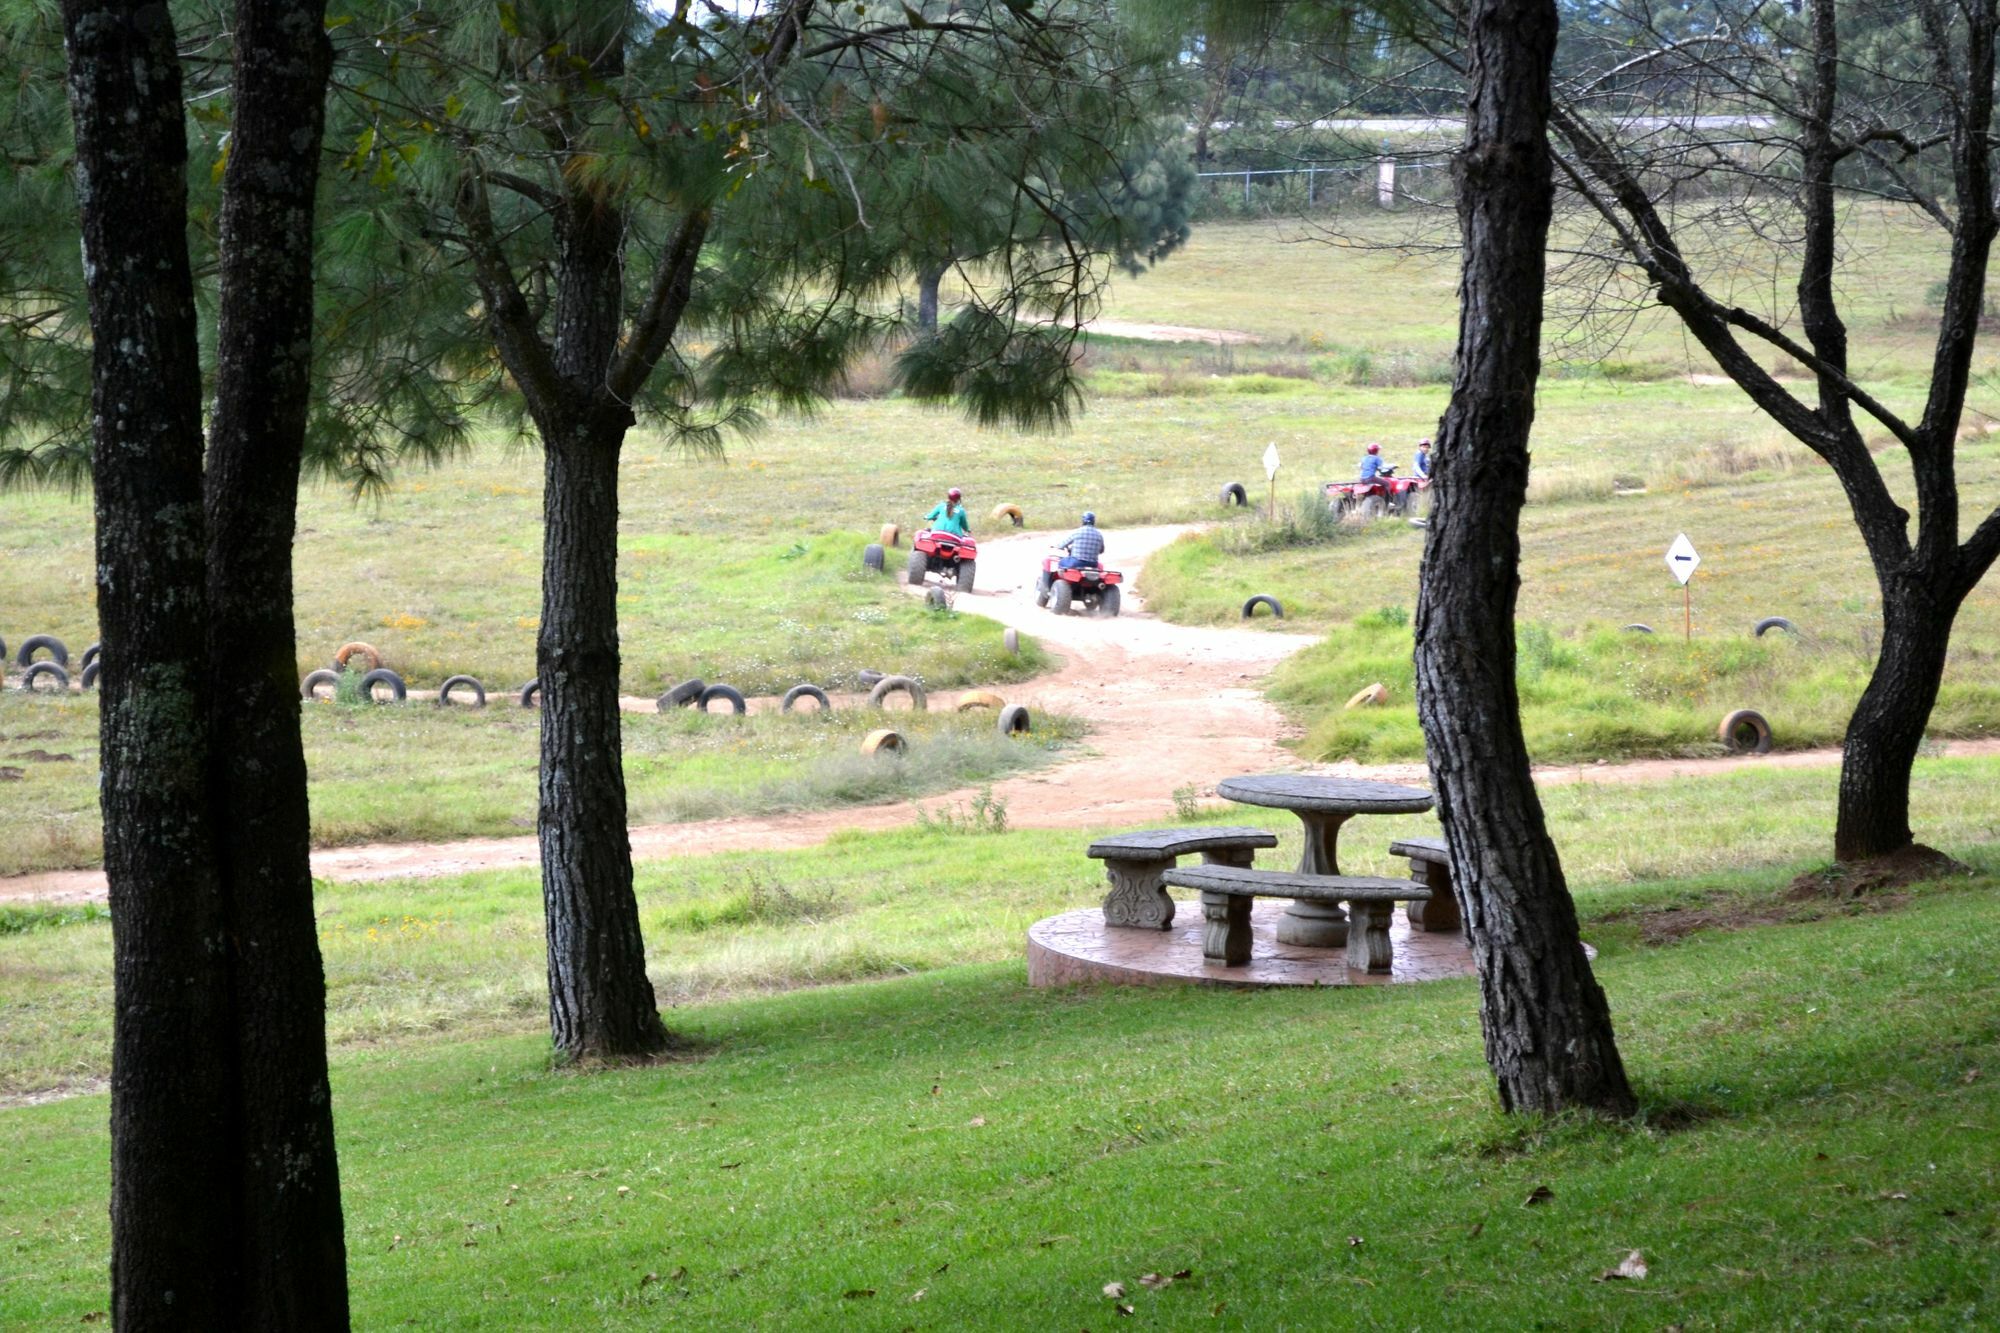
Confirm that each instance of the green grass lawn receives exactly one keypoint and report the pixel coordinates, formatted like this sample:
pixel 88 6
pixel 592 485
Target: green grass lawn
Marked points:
pixel 955 1150
pixel 419 773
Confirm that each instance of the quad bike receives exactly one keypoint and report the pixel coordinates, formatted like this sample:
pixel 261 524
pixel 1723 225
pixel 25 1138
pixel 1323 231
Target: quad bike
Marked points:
pixel 945 553
pixel 1364 499
pixel 1409 496
pixel 1093 588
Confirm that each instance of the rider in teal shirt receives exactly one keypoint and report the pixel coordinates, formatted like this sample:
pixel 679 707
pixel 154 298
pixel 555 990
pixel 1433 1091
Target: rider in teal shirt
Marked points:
pixel 949 516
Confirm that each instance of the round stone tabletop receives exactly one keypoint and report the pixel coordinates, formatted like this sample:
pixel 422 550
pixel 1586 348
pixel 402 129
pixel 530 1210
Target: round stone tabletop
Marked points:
pixel 1308 794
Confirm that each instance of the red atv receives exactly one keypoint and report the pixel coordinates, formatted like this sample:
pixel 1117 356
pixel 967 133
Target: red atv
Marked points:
pixel 1409 495
pixel 1367 499
pixel 1093 588
pixel 946 553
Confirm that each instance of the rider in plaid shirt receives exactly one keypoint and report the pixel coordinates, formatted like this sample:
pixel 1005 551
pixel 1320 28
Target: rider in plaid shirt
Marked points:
pixel 1084 545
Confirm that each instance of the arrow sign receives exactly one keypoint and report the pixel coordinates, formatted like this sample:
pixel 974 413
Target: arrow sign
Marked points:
pixel 1271 461
pixel 1682 560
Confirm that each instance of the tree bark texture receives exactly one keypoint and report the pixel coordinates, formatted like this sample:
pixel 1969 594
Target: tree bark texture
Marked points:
pixel 928 280
pixel 172 1066
pixel 1547 1025
pixel 287 1178
pixel 1887 727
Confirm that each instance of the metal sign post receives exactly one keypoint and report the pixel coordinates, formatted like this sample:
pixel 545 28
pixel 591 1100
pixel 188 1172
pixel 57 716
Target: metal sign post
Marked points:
pixel 1682 561
pixel 1271 475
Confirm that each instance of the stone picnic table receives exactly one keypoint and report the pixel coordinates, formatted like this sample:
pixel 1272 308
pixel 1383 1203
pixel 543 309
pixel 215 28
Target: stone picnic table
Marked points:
pixel 1322 804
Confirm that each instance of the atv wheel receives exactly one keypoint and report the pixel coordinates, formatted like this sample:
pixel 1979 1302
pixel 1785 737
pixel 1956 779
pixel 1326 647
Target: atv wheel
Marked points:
pixel 920 565
pixel 1370 508
pixel 965 572
pixel 1107 601
pixel 1061 596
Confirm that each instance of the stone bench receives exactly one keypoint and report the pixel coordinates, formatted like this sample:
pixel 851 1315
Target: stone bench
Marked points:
pixel 1134 862
pixel 1228 893
pixel 1430 866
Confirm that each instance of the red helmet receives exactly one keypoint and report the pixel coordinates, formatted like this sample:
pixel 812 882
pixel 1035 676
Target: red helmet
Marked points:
pixel 1423 444
pixel 951 494
pixel 1374 448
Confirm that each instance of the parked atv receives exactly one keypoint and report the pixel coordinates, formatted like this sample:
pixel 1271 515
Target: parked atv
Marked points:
pixel 946 554
pixel 1094 589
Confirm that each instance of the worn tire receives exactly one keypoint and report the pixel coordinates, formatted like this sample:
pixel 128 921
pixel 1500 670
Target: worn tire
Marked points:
pixel 1775 622
pixel 966 570
pixel 798 692
pixel 871 557
pixel 313 680
pixel 891 535
pixel 683 695
pixel 1061 597
pixel 398 691
pixel 1014 720
pixel 918 567
pixel 531 693
pixel 729 694
pixel 54 670
pixel 1371 508
pixel 90 654
pixel 90 674
pixel 1010 639
pixel 1264 599
pixel 1108 601
pixel 936 600
pixel 888 685
pixel 1639 629
pixel 1044 582
pixel 469 682
pixel 972 699
pixel 34 643
pixel 882 741
pixel 868 679
pixel 360 649
pixel 1746 732
pixel 1012 513
pixel 1234 494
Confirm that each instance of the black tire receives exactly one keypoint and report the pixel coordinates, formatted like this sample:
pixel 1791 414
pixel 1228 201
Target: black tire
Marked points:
pixel 935 598
pixel 1107 601
pixel 54 670
pixel 871 556
pixel 1371 508
pixel 728 694
pixel 684 695
pixel 1234 494
pixel 888 685
pixel 1010 639
pixel 1061 596
pixel 1263 599
pixel 1343 508
pixel 798 692
pixel 90 654
pixel 1775 622
pixel 919 566
pixel 531 693
pixel 469 682
pixel 966 568
pixel 1044 581
pixel 868 680
pixel 34 643
pixel 90 674
pixel 313 680
pixel 398 691
pixel 1014 720
pixel 1639 629
pixel 1746 732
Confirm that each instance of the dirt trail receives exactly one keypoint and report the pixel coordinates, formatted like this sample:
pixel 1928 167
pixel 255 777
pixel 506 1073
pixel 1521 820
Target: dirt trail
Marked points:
pixel 1168 706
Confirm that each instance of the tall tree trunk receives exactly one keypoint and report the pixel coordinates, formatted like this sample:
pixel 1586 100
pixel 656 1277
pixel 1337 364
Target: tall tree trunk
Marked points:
pixel 172 1072
pixel 1547 1025
pixel 928 279
pixel 601 1003
pixel 287 1177
pixel 1888 724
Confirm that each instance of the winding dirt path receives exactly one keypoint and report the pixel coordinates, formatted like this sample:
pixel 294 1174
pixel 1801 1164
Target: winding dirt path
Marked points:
pixel 1168 705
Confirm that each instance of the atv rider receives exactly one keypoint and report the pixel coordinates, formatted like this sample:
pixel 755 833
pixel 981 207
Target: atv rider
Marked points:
pixel 1422 462
pixel 949 516
pixel 1371 463
pixel 1083 547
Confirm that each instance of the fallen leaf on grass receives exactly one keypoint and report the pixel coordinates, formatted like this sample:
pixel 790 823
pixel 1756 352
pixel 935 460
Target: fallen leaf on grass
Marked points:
pixel 649 1279
pixel 857 1293
pixel 731 1166
pixel 1971 1075
pixel 917 1295
pixel 1155 1281
pixel 1114 1289
pixel 1355 1242
pixel 624 1189
pixel 1477 1227
pixel 1539 1194
pixel 975 1122
pixel 1630 1269
pixel 678 1274
pixel 1122 1309
pixel 1892 1196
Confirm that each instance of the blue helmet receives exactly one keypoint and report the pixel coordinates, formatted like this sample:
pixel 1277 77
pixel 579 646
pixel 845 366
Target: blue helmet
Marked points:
pixel 1089 520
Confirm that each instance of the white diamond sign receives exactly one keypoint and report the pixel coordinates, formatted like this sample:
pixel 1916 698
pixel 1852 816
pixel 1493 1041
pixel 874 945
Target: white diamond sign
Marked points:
pixel 1271 462
pixel 1682 560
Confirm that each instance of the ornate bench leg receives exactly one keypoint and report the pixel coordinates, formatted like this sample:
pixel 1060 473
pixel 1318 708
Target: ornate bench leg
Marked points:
pixel 1138 895
pixel 1225 932
pixel 1230 856
pixel 1368 947
pixel 1441 915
